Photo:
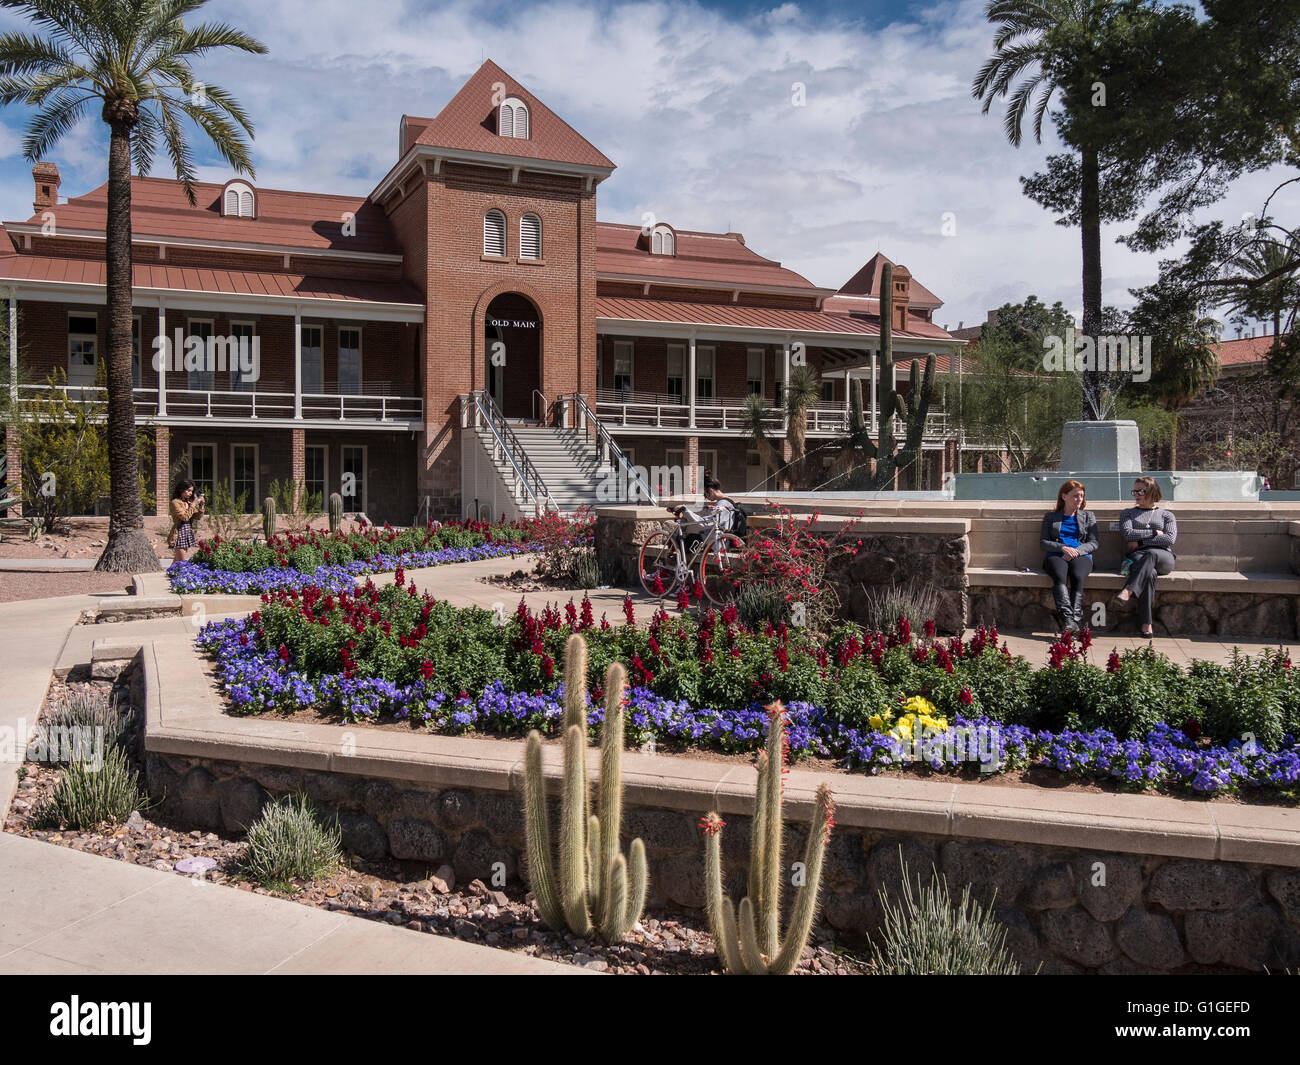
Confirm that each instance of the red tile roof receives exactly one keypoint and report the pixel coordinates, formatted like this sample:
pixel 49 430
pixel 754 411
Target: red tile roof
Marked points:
pixel 866 282
pixel 1243 352
pixel 468 123
pixel 709 257
pixel 729 314
pixel 203 279
pixel 284 219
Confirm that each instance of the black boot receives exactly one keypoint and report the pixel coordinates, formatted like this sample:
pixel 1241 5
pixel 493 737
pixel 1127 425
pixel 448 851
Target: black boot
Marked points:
pixel 1063 613
pixel 1076 610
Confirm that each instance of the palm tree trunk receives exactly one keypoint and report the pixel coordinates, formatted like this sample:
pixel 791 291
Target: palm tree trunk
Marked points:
pixel 1090 227
pixel 128 549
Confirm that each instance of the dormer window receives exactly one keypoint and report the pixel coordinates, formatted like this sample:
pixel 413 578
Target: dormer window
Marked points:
pixel 237 201
pixel 663 241
pixel 512 118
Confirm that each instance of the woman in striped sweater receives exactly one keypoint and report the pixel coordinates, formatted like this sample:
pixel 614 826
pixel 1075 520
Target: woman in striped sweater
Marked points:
pixel 1150 532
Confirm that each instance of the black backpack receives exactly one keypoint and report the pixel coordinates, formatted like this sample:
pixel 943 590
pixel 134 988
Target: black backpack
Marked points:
pixel 740 523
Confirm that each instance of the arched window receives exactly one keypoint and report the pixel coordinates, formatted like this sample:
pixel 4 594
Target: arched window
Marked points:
pixel 663 241
pixel 512 119
pixel 238 201
pixel 530 237
pixel 494 233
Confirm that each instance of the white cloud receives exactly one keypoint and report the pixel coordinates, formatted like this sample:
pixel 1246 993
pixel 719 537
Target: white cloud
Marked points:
pixel 695 105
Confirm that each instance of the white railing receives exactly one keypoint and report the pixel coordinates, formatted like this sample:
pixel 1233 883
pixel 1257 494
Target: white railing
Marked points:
pixel 194 403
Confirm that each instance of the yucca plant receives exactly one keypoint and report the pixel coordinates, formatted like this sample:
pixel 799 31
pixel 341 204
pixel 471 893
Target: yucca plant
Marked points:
pixel 83 709
pixel 598 890
pixel 750 942
pixel 927 934
pixel 290 840
pixel 88 796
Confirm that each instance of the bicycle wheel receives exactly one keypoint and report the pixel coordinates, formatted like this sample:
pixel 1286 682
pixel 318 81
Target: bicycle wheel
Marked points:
pixel 720 568
pixel 658 564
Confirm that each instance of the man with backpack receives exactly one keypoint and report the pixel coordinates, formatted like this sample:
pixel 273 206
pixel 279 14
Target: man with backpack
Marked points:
pixel 731 515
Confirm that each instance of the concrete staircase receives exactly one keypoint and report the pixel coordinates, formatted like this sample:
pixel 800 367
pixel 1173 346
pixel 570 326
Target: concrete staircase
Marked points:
pixel 564 458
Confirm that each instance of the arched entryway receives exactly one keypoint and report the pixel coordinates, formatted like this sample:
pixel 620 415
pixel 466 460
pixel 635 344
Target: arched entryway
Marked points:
pixel 513 355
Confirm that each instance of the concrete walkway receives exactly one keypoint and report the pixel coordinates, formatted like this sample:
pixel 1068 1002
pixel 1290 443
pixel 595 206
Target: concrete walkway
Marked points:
pixel 62 911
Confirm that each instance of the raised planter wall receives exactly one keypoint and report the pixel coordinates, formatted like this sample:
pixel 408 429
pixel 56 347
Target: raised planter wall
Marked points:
pixel 1067 909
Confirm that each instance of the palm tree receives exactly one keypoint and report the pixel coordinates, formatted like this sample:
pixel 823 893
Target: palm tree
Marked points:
pixel 801 391
pixel 133 56
pixel 1277 261
pixel 1047 42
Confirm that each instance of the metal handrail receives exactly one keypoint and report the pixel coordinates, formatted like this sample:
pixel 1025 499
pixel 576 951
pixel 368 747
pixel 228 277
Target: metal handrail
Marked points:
pixel 546 403
pixel 514 451
pixel 612 450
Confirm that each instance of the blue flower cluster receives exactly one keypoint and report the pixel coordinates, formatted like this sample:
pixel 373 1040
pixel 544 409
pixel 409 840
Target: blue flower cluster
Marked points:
pixel 193 578
pixel 257 680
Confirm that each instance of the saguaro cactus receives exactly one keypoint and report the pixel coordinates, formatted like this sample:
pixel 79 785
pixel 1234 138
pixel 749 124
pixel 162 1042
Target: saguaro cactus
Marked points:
pixel 268 517
pixel 750 942
pixel 890 453
pixel 336 511
pixel 598 890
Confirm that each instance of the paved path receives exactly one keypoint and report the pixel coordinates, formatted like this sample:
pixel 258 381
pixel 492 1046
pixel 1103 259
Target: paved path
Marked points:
pixel 55 565
pixel 62 911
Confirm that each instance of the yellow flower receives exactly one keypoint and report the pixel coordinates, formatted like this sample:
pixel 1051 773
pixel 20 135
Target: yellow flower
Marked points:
pixel 876 722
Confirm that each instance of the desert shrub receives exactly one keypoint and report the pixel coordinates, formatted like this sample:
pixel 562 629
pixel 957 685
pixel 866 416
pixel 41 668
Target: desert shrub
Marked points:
pixel 926 933
pixel 759 604
pixel 290 840
pixel 90 710
pixel 88 795
pixel 885 604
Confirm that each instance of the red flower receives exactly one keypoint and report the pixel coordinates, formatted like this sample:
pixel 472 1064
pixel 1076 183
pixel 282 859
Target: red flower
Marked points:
pixel 1112 663
pixel 712 824
pixel 966 697
pixel 426 669
pixel 284 653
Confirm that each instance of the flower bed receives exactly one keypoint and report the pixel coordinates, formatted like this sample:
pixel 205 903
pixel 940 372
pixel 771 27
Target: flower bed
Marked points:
pixel 872 699
pixel 333 560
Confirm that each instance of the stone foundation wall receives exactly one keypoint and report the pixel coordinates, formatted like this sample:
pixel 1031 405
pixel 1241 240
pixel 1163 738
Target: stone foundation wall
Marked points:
pixel 621 538
pixel 1067 910
pixel 935 561
pixel 1177 613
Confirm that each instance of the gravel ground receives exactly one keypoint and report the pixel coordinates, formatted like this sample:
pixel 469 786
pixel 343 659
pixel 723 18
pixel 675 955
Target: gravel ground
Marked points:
pixel 403 894
pixel 16 586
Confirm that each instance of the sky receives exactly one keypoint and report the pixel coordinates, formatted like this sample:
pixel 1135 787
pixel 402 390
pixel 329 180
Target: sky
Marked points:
pixel 698 104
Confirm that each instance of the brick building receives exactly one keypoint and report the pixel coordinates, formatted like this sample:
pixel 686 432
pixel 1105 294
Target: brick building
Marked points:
pixel 410 341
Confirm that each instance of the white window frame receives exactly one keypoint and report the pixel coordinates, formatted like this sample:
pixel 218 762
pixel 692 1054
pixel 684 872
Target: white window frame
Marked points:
pixel 244 203
pixel 305 328
pixel 762 366
pixel 624 349
pixel 365 475
pixel 523 254
pixel 663 241
pixel 360 361
pixel 325 471
pixel 237 384
pixel 508 115
pixel 676 350
pixel 255 500
pixel 211 375
pixel 706 353
pixel 94 352
pixel 488 253
pixel 137 345
pixel 210 485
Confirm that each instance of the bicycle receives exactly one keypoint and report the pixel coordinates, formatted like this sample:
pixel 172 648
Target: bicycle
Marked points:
pixel 714 562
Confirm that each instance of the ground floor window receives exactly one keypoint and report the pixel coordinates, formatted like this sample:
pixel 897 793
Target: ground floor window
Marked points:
pixel 316 474
pixel 243 476
pixel 352 479
pixel 203 470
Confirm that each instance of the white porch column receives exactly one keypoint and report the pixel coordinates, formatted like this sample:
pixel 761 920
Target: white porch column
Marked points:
pixel 690 377
pixel 785 384
pixel 13 347
pixel 848 384
pixel 875 420
pixel 162 351
pixel 297 363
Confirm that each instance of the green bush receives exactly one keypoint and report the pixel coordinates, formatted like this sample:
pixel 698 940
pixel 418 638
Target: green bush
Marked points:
pixel 1145 691
pixel 885 604
pixel 1067 697
pixel 289 840
pixel 926 934
pixel 87 796
pixel 761 604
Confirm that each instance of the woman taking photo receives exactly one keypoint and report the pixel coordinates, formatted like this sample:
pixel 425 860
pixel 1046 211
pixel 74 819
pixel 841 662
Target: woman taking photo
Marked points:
pixel 185 509
pixel 1069 536
pixel 1150 532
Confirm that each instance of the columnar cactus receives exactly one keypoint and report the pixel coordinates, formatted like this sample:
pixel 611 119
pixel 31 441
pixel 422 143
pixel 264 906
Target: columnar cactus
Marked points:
pixel 336 511
pixel 598 889
pixel 268 517
pixel 751 942
pixel 889 453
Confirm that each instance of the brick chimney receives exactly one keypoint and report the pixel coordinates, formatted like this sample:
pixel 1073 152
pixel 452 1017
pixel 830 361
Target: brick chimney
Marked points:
pixel 46 177
pixel 900 297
